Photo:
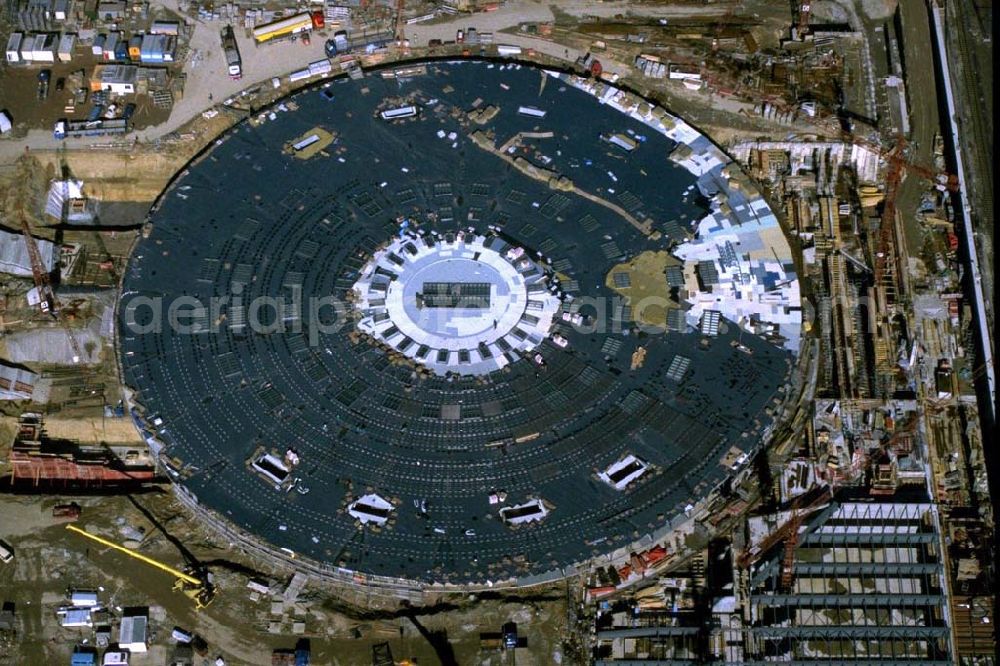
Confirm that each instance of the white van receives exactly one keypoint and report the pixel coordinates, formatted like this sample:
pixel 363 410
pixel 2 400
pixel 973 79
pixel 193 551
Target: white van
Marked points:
pixel 6 553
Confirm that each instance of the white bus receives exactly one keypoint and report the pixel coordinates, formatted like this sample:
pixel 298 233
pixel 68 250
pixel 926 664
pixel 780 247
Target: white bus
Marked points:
pixel 399 113
pixel 531 111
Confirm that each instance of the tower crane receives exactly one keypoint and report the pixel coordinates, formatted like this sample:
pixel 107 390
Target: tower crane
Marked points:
pixel 805 9
pixel 898 165
pixel 896 152
pixel 198 589
pixel 787 533
pixel 400 29
pixel 47 299
pixel 885 250
pixel 720 26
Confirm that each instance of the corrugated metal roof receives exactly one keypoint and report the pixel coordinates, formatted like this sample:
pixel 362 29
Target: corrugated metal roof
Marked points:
pixel 132 633
pixel 16 383
pixel 14 259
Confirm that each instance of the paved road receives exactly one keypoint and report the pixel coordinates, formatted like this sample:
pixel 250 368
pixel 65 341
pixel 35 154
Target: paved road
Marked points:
pixel 206 72
pixel 206 75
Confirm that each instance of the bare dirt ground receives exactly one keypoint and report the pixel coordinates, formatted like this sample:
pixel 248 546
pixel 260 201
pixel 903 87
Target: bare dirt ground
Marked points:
pixel 137 175
pixel 49 560
pixel 647 281
pixel 92 430
pixel 208 84
pixel 20 96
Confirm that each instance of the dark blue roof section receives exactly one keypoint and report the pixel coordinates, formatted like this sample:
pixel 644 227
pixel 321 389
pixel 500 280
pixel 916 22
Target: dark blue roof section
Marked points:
pixel 250 225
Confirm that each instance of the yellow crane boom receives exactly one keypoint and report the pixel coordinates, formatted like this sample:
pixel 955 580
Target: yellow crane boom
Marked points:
pixel 199 590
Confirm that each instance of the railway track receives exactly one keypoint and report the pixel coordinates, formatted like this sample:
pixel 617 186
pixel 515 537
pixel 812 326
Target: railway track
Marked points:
pixel 984 164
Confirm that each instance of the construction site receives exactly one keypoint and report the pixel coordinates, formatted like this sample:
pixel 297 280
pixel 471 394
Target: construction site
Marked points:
pixel 394 332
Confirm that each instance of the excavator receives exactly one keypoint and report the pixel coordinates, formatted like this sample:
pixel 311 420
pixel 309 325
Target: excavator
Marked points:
pixel 198 588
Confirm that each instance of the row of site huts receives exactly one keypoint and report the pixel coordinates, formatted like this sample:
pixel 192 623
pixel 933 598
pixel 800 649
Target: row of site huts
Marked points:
pixel 158 46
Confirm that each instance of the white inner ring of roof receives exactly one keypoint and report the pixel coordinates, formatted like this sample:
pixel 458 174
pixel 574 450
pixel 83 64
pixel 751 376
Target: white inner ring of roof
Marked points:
pixel 520 313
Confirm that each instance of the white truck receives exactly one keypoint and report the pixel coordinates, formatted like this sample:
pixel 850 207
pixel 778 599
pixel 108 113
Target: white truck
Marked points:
pixel 6 553
pixel 232 53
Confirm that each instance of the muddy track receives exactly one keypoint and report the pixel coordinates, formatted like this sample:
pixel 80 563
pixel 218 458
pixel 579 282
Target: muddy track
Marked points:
pixel 409 611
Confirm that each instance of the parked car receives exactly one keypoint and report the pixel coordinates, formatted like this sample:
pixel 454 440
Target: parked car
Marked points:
pixel 60 84
pixel 129 111
pixel 44 77
pixel 6 553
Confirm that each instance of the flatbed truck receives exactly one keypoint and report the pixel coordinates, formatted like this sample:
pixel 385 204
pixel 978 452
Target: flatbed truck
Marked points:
pixel 232 53
pixel 77 128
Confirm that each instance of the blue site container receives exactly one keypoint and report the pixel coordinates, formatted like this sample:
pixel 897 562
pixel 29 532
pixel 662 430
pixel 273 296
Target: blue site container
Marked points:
pixel 83 659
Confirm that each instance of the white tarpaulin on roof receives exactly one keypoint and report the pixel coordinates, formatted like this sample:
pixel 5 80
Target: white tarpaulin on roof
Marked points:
pixel 60 192
pixel 14 257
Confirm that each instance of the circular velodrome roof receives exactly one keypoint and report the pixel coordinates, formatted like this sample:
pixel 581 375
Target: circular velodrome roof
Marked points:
pixel 242 329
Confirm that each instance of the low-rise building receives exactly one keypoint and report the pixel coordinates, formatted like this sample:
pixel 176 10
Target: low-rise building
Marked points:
pixel 61 9
pixel 67 43
pixel 44 47
pixel 118 79
pixel 13 52
pixel 157 48
pixel 172 28
pixel 76 617
pixel 111 11
pixel 132 635
pixel 83 657
pixel 111 45
pixel 16 383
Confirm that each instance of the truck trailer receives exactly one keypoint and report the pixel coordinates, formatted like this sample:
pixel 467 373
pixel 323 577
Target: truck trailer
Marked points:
pixel 288 27
pixel 359 41
pixel 232 53
pixel 77 128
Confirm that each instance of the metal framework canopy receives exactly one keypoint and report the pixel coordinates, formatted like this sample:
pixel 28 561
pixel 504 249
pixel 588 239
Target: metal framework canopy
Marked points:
pixel 410 361
pixel 867 586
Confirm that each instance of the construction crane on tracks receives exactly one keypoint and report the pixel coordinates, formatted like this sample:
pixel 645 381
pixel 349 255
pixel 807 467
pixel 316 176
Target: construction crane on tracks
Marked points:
pixel 48 302
pixel 198 588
